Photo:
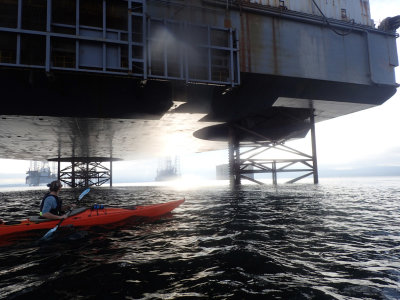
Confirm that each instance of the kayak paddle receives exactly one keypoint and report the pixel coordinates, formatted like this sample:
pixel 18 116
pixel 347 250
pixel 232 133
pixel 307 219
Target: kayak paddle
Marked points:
pixel 83 194
pixel 51 231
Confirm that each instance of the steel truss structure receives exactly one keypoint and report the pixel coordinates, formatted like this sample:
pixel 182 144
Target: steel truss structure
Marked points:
pixel 115 37
pixel 247 158
pixel 85 172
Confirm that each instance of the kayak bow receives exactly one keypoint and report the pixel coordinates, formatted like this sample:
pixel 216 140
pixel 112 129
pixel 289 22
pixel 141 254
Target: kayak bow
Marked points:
pixel 87 217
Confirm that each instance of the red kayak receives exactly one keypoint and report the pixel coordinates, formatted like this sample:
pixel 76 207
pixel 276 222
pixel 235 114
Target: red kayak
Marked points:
pixel 86 217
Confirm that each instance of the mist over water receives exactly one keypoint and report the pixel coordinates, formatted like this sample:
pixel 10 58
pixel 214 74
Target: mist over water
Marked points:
pixel 336 240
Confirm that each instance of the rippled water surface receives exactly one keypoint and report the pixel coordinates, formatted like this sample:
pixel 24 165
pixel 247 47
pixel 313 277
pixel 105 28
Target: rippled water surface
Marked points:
pixel 336 240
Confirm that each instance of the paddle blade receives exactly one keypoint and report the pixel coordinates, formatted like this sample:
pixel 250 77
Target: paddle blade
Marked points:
pixel 49 233
pixel 83 194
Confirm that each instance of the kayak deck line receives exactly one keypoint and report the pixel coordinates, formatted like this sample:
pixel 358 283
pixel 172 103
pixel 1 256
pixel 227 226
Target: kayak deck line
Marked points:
pixel 87 217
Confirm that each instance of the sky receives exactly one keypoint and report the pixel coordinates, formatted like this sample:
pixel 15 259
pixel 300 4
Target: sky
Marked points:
pixel 368 138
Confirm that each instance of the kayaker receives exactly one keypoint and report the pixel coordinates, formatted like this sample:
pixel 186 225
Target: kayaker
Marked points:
pixel 51 206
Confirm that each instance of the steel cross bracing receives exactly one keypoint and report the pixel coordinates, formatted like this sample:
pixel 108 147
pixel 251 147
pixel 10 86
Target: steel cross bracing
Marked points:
pixel 249 162
pixel 144 47
pixel 85 174
pixel 249 158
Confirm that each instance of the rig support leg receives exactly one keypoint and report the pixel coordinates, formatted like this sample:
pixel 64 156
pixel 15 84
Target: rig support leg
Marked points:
pixel 86 174
pixel 314 147
pixel 234 159
pixel 58 169
pixel 73 184
pixel 111 172
pixel 274 175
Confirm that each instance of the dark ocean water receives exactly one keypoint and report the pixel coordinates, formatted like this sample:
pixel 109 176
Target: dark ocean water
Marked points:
pixel 336 240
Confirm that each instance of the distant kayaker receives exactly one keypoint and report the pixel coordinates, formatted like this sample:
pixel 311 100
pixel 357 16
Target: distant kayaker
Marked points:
pixel 51 206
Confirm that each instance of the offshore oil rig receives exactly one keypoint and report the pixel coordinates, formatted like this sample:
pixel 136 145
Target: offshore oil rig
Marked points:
pixel 39 173
pixel 88 82
pixel 168 169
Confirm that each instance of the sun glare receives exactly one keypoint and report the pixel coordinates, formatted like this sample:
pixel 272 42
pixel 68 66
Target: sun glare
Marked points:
pixel 187 182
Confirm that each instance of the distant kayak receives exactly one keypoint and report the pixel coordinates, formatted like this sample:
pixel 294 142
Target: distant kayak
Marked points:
pixel 87 217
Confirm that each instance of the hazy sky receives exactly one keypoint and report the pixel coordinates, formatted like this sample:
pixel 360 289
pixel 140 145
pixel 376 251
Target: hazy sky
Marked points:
pixel 368 138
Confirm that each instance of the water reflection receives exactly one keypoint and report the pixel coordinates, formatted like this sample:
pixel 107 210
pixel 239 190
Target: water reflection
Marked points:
pixel 298 241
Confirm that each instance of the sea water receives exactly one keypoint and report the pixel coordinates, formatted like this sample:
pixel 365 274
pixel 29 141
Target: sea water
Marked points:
pixel 336 240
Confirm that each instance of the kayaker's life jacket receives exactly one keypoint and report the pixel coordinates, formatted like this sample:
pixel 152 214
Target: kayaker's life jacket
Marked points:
pixel 54 211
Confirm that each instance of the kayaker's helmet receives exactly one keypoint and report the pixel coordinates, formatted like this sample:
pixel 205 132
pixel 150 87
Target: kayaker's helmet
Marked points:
pixel 55 185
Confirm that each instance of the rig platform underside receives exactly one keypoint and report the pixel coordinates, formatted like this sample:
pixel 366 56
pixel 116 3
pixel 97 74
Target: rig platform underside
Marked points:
pixel 131 79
